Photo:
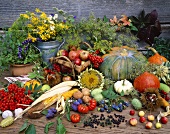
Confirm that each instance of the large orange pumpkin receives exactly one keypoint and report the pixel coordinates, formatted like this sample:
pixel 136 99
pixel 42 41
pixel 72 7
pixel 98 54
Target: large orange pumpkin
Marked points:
pixel 145 81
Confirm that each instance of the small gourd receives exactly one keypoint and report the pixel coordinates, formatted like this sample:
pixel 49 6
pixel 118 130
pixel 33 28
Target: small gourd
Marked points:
pixel 6 113
pixel 156 58
pixel 18 111
pixel 123 86
pixel 7 121
pixel 136 103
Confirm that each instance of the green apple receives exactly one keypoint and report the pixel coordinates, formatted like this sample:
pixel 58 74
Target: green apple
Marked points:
pixel 45 87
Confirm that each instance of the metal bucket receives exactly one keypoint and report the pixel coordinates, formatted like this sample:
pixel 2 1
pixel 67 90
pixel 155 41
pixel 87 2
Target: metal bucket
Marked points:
pixel 49 49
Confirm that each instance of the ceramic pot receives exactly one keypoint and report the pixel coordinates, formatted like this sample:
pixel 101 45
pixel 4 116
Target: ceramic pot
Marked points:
pixel 20 69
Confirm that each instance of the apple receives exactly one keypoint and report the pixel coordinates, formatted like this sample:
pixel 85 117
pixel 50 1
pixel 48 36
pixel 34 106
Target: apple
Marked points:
pixel 158 125
pixel 133 121
pixel 84 55
pixel 164 120
pixel 79 51
pixel 45 87
pixel 73 55
pixel 148 125
pixel 132 112
pixel 77 61
pixel 62 52
pixel 67 78
pixel 141 113
pixel 142 119
pixel 151 117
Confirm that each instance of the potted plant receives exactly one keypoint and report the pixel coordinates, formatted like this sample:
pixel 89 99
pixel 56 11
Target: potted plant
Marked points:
pixel 46 31
pixel 17 54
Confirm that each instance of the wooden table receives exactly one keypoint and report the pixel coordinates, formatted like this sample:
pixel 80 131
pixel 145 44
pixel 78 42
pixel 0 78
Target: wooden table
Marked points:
pixel 124 127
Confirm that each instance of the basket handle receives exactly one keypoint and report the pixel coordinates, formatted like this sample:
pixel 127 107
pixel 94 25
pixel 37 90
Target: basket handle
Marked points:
pixel 58 60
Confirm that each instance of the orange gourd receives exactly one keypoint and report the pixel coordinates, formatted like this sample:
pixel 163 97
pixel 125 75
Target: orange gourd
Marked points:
pixel 146 80
pixel 156 58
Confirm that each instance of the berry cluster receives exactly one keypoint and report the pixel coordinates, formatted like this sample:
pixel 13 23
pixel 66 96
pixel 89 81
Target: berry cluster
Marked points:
pixel 164 95
pixel 95 60
pixel 56 67
pixel 104 106
pixel 51 113
pixel 14 95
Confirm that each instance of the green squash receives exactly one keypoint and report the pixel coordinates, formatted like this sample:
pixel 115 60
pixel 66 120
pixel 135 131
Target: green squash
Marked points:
pixel 118 64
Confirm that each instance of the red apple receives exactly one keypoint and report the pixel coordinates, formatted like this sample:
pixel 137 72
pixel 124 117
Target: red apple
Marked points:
pixel 132 112
pixel 62 52
pixel 142 119
pixel 67 78
pixel 148 125
pixel 77 61
pixel 164 120
pixel 79 51
pixel 73 55
pixel 151 117
pixel 133 122
pixel 84 55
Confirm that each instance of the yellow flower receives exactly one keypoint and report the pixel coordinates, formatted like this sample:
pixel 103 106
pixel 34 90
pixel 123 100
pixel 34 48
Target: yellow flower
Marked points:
pixel 34 21
pixel 25 16
pixel 37 10
pixel 31 37
pixel 30 26
pixel 91 79
pixel 43 15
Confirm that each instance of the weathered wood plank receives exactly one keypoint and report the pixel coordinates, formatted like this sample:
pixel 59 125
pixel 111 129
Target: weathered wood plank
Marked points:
pixel 10 9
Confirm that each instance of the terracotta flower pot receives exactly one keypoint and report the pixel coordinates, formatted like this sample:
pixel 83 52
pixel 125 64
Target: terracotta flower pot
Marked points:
pixel 20 69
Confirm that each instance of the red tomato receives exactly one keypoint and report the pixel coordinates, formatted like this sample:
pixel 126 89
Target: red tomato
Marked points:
pixel 83 109
pixel 75 118
pixel 92 104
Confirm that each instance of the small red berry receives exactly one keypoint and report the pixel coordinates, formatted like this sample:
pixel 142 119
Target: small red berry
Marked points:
pixel 132 112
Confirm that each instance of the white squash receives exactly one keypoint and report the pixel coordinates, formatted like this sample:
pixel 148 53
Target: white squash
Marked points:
pixel 123 86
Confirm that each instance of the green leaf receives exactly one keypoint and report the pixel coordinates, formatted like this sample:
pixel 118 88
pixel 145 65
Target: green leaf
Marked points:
pixel 60 129
pixel 110 94
pixel 122 93
pixel 68 110
pixel 32 75
pixel 44 112
pixel 133 28
pixel 47 126
pixel 31 129
pixel 24 126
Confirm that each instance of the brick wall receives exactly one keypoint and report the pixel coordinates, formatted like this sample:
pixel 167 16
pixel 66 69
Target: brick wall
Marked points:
pixel 10 9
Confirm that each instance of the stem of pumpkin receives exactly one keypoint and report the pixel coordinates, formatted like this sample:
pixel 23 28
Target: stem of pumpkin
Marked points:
pixel 123 82
pixel 153 50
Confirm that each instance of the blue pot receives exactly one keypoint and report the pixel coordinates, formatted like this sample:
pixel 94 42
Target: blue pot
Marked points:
pixel 49 49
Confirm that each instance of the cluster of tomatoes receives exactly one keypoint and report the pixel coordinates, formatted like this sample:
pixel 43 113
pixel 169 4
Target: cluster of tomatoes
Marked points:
pixel 12 97
pixel 83 109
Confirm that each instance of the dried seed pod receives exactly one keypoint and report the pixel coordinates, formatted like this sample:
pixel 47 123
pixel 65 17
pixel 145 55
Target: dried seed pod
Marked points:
pixel 7 121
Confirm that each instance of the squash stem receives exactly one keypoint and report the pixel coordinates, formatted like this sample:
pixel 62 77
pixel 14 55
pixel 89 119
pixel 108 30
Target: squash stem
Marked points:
pixel 123 82
pixel 152 49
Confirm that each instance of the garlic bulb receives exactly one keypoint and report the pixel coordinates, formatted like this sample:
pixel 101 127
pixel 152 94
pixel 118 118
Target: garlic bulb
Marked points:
pixel 18 111
pixel 7 113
